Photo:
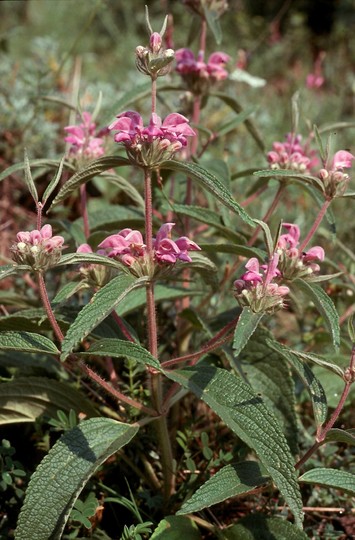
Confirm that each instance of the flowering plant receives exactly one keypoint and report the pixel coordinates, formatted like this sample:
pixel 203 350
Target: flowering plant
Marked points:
pixel 182 346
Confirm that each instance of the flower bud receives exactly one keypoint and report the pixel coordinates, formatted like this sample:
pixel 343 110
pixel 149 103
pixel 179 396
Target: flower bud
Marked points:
pixel 155 42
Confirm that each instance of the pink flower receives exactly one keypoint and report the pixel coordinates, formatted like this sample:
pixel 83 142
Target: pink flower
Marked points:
pixel 342 160
pixel 197 73
pixel 215 66
pixel 314 81
pixel 291 154
pixel 166 250
pixel 83 140
pixel 148 146
pixel 294 263
pixel 38 249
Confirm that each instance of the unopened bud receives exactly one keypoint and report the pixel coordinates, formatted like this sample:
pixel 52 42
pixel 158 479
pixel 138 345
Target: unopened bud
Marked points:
pixel 21 246
pixel 155 42
pixel 323 174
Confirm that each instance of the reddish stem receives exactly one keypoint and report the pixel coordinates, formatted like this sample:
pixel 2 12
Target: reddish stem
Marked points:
pixel 268 213
pixel 47 306
pixel 315 225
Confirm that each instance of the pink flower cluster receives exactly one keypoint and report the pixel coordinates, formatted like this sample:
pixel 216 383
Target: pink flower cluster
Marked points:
pixel 334 179
pixel 83 138
pixel 128 247
pixel 198 74
pixel 292 262
pixel 214 69
pixel 38 249
pixel 256 288
pixel 291 155
pixel 160 140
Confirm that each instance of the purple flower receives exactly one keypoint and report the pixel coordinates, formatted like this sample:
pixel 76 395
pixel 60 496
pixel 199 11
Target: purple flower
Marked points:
pixel 198 74
pixel 166 250
pixel 83 139
pixel 334 178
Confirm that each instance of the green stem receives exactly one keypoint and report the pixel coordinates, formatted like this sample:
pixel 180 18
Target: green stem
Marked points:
pixel 315 225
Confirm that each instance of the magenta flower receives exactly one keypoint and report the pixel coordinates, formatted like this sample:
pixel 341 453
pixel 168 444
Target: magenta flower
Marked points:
pixel 166 250
pixel 83 138
pixel 256 288
pixel 342 160
pixel 160 140
pixel 292 155
pixel 198 74
pixel 294 263
pixel 38 249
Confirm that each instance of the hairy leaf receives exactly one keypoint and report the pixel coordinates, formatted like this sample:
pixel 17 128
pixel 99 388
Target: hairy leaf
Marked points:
pixel 244 412
pixel 25 399
pixel 26 342
pixel 44 163
pixel 230 481
pixel 119 348
pixel 325 306
pixel 286 173
pixel 333 478
pixel 84 175
pixel 260 527
pixel 312 384
pixel 247 324
pixel 341 435
pixel 101 304
pixel 61 476
pixel 176 528
pixel 211 183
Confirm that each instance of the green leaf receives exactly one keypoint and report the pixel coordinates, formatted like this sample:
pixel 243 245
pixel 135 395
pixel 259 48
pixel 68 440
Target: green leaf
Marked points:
pixel 232 124
pixel 29 180
pixel 210 217
pixel 319 143
pixel 26 342
pixel 211 183
pixel 249 124
pixel 94 168
pixel 270 376
pixel 45 163
pixel 212 19
pixel 8 269
pixel 90 258
pixel 247 323
pixel 101 304
pixel 176 528
pixel 25 399
pixel 319 361
pixel 244 412
pixel 230 481
pixel 54 182
pixel 260 527
pixel 206 268
pixel 119 348
pixel 62 474
pixel 333 478
pixel 244 251
pixel 312 384
pixel 340 435
pixel 127 187
pixel 325 306
pixel 287 173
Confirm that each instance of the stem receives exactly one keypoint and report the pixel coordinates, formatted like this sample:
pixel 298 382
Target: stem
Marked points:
pixel 118 395
pixel 156 378
pixel 39 207
pixel 268 213
pixel 154 95
pixel 47 306
pixel 84 210
pixel 323 433
pixel 315 225
pixel 121 326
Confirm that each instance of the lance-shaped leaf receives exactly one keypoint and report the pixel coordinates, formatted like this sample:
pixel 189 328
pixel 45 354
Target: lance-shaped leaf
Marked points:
pixel 29 180
pixel 319 362
pixel 119 348
pixel 84 175
pixel 286 173
pixel 209 182
pixel 175 528
pixel 325 306
pixel 258 526
pixel 269 374
pixel 230 481
pixel 247 324
pixel 101 305
pixel 44 163
pixel 90 258
pixel 63 473
pixel 312 384
pixel 54 182
pixel 10 269
pixel 232 124
pixel 333 478
pixel 341 435
pixel 244 251
pixel 244 412
pixel 204 215
pixel 26 398
pixel 26 342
